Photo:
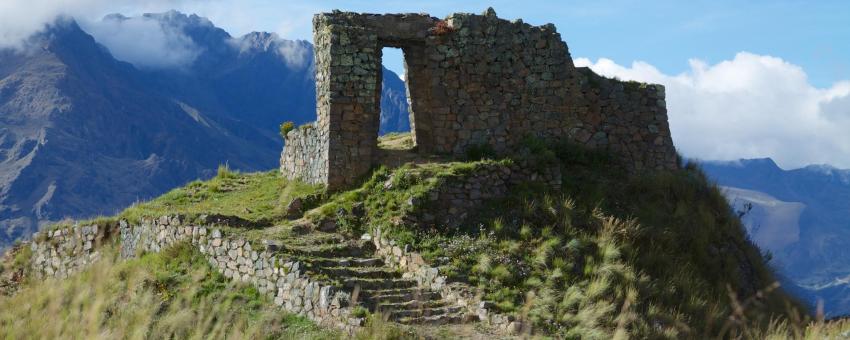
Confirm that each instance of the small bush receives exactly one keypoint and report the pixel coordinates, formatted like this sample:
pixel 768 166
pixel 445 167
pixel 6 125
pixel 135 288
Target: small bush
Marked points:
pixel 224 172
pixel 285 127
pixel 359 312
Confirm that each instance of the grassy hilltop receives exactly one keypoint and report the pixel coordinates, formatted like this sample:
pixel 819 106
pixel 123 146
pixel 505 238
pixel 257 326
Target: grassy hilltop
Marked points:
pixel 607 255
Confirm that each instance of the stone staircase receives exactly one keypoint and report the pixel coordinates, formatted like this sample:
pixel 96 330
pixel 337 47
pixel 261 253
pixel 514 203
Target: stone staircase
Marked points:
pixel 353 266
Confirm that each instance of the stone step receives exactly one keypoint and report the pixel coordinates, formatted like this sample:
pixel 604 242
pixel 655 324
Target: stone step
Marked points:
pixel 440 319
pixel 315 238
pixel 326 262
pixel 423 312
pixel 411 305
pixel 399 295
pixel 376 284
pixel 327 251
pixel 341 273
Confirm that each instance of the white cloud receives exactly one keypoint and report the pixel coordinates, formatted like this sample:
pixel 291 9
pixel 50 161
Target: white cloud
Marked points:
pixel 144 42
pixel 294 53
pixel 750 106
pixel 139 41
pixel 21 18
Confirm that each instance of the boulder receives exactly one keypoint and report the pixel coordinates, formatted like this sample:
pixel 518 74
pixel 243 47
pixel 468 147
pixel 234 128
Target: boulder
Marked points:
pixel 295 208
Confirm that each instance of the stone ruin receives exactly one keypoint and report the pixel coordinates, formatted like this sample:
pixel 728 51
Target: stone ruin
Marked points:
pixel 472 81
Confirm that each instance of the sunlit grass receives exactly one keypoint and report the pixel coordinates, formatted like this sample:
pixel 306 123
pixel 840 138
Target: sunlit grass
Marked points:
pixel 173 294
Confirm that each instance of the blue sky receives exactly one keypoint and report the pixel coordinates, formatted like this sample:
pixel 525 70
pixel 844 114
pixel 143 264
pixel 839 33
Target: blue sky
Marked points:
pixel 812 34
pixel 745 79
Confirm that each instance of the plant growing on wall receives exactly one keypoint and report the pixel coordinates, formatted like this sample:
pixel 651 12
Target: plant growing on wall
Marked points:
pixel 442 28
pixel 285 127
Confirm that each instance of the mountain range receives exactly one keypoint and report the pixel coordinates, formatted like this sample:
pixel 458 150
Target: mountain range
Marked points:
pixel 801 217
pixel 83 133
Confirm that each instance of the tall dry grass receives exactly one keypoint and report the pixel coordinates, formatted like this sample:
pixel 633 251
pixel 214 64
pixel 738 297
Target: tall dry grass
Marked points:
pixel 174 294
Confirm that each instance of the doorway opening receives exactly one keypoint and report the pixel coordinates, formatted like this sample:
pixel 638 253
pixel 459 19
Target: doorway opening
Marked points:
pixel 394 130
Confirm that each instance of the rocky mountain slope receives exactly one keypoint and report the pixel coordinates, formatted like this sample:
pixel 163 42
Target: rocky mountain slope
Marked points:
pixel 83 133
pixel 802 217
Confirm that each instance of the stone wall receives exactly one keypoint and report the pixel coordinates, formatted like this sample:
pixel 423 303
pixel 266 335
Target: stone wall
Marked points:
pixel 452 200
pixel 61 252
pixel 475 80
pixel 305 156
pixel 240 260
pixel 453 197
pixel 64 251
pixel 628 118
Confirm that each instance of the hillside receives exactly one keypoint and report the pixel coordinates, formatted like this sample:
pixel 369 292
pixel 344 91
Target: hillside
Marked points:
pixel 83 133
pixel 803 223
pixel 600 255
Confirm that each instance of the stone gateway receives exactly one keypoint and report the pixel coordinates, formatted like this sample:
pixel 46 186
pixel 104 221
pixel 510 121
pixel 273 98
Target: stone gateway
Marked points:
pixel 472 81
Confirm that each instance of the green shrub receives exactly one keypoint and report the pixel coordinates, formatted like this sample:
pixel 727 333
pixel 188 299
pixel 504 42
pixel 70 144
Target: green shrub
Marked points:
pixel 359 312
pixel 285 127
pixel 224 172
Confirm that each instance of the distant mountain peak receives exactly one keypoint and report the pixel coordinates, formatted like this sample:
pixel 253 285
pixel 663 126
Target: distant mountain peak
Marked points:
pixel 115 16
pixel 256 41
pixel 65 39
pixel 293 52
pixel 177 18
pixel 62 26
pixel 841 175
pixel 763 162
pixel 768 163
pixel 824 168
pixel 127 119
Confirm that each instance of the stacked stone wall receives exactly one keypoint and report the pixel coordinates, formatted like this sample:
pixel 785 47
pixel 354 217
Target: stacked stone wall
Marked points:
pixel 305 156
pixel 476 80
pixel 240 260
pixel 450 201
pixel 628 118
pixel 454 199
pixel 64 251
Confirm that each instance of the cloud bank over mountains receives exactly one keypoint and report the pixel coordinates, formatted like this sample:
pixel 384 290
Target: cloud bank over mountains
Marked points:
pixel 144 41
pixel 295 53
pixel 749 107
pixel 19 19
pixel 141 40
